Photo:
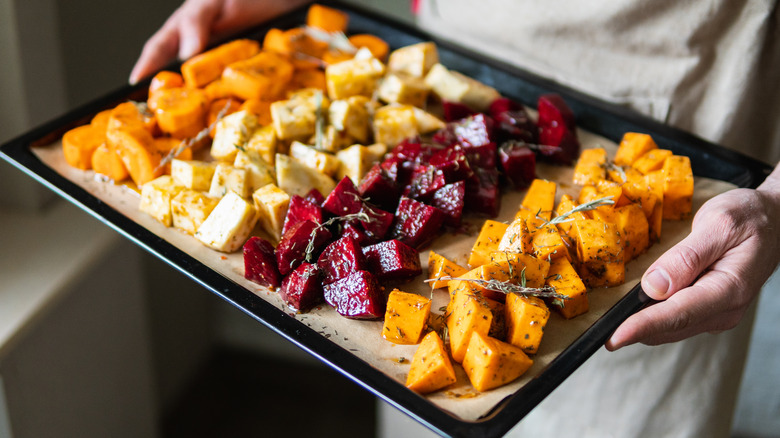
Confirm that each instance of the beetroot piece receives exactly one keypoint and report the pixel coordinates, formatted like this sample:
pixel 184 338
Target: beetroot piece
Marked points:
pixel 315 196
pixel 515 125
pixel 518 163
pixel 416 224
pixel 450 199
pixel 553 111
pixel 558 145
pixel 453 163
pixel 302 289
pixel 483 156
pixel 301 209
pixel 483 194
pixel 357 296
pixel 393 260
pixel 378 223
pixel 344 199
pixel 502 105
pixel 379 188
pixel 356 232
pixel 340 258
pixel 425 181
pixel 291 250
pixel 474 131
pixel 455 110
pixel 260 263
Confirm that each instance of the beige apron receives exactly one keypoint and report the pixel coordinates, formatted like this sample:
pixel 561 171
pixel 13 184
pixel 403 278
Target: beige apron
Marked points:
pixel 710 67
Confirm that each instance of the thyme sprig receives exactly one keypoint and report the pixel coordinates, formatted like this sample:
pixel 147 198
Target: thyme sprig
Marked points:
pixel 590 205
pixel 610 166
pixel 319 123
pixel 309 251
pixel 506 287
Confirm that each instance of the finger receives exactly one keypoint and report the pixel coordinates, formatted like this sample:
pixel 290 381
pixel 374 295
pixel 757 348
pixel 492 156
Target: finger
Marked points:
pixel 158 51
pixel 195 30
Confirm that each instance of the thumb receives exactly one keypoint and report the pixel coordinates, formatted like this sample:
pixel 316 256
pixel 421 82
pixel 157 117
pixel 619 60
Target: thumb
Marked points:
pixel 679 267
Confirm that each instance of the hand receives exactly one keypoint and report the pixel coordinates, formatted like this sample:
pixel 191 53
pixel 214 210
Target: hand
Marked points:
pixel 191 27
pixel 706 282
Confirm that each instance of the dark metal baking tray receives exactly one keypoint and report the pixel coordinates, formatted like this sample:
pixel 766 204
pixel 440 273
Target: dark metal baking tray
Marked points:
pixel 610 121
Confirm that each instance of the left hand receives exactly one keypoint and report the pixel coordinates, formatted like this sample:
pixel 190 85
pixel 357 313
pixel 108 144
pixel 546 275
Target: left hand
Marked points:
pixel 706 282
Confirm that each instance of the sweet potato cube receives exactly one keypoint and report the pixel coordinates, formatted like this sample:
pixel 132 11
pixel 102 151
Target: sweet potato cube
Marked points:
pixel 498 270
pixel 538 202
pixel 600 251
pixel 632 146
pixel 206 67
pixel 491 363
pixel 651 161
pixel 327 19
pixel 655 182
pixel 431 367
pixel 632 226
pixel 489 237
pixel 263 76
pixel 468 312
pixel 591 167
pixel 564 278
pixel 526 266
pixel 640 193
pixel 439 266
pixel 566 205
pixel 678 187
pixel 517 238
pixel 80 143
pixel 547 243
pixel 406 317
pixel 525 321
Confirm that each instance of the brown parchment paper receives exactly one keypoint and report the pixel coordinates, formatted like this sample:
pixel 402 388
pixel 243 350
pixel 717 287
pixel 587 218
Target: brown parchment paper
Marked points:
pixel 363 338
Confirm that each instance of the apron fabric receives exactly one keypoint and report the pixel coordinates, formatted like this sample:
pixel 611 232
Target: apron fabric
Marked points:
pixel 708 67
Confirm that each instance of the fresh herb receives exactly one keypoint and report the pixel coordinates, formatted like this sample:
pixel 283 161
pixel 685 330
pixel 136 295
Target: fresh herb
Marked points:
pixel 506 287
pixel 309 252
pixel 590 205
pixel 319 124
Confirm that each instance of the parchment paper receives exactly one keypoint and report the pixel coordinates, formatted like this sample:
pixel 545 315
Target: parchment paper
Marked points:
pixel 363 338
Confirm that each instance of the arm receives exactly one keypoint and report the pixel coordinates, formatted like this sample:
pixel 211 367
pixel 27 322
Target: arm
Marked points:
pixel 189 29
pixel 707 281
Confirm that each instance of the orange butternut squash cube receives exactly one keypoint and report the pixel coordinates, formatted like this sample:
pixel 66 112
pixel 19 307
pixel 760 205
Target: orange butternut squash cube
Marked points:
pixel 534 270
pixel 490 363
pixel 600 251
pixel 678 187
pixel 538 203
pixel 264 76
pixel 406 317
pixel 439 266
pixel 566 205
pixel 431 367
pixel 564 278
pixel 180 112
pixel 107 162
pixel 327 19
pixel 80 143
pixel 207 66
pixel 498 325
pixel 651 161
pixel 489 237
pixel 632 226
pixel 517 238
pixel 548 244
pixel 135 146
pixel 632 146
pixel 591 166
pixel 641 194
pixel 468 313
pixel 525 320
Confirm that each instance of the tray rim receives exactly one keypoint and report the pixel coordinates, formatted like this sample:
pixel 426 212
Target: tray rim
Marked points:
pixel 591 115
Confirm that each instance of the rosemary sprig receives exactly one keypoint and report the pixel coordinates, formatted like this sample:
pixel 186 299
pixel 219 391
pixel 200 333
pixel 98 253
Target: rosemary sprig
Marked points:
pixel 319 123
pixel 610 166
pixel 309 251
pixel 336 40
pixel 506 287
pixel 590 205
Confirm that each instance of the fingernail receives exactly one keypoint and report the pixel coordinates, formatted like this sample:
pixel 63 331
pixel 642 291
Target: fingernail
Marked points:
pixel 656 284
pixel 188 48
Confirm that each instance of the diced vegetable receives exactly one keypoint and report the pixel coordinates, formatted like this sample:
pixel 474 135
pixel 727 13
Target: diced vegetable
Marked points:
pixel 406 317
pixel 490 363
pixel 431 367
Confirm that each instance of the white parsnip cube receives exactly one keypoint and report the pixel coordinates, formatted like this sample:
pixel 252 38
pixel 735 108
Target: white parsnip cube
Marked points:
pixel 354 77
pixel 320 161
pixel 190 209
pixel 156 198
pixel 394 123
pixel 193 174
pixel 356 160
pixel 351 116
pixel 229 224
pixel 404 89
pixel 427 122
pixel 259 171
pixel 263 140
pixel 333 140
pixel 415 60
pixel 456 87
pixel 271 203
pixel 228 179
pixel 295 178
pixel 231 133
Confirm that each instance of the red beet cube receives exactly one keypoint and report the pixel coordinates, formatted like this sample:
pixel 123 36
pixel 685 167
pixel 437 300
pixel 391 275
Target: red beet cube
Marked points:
pixel 553 111
pixel 474 131
pixel 518 163
pixel 378 187
pixel 358 295
pixel 340 258
pixel 483 156
pixel 393 260
pixel 356 231
pixel 416 224
pixel 483 193
pixel 515 125
pixel 455 110
pixel 450 199
pixel 260 262
pixel 291 250
pixel 315 196
pixel 425 181
pixel 558 144
pixel 502 105
pixel 302 289
pixel 378 223
pixel 453 162
pixel 301 209
pixel 344 199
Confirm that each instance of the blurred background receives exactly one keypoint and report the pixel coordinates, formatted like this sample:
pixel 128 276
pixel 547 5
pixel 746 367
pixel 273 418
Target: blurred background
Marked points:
pixel 97 338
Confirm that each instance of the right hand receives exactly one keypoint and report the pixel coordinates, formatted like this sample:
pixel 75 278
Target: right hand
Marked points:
pixel 192 26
